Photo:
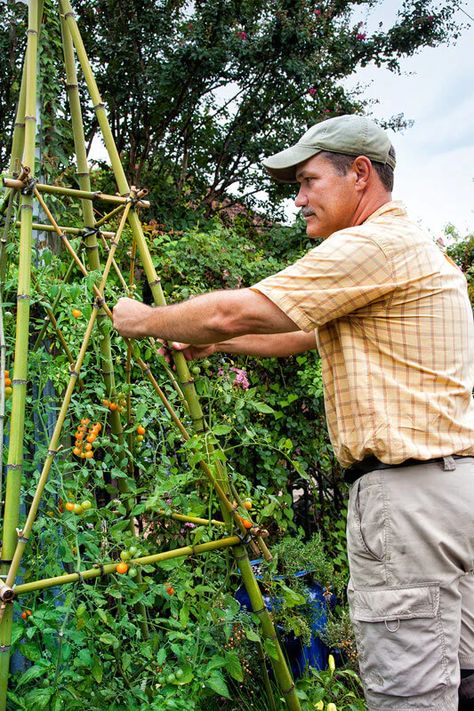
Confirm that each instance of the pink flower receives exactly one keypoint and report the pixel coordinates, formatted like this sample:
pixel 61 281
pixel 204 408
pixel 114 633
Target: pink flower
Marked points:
pixel 312 90
pixel 430 18
pixel 168 501
pixel 189 524
pixel 360 36
pixel 242 35
pixel 241 380
pixel 317 12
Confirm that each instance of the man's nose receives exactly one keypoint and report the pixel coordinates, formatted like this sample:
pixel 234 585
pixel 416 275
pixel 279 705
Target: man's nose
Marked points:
pixel 301 199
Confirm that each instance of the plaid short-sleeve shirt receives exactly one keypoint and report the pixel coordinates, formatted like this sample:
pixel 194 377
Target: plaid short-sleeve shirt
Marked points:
pixel 394 329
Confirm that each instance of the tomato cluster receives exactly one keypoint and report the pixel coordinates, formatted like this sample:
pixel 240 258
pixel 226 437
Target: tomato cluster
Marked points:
pixel 112 405
pixel 8 385
pixel 25 614
pixel 78 508
pixel 140 436
pixel 85 439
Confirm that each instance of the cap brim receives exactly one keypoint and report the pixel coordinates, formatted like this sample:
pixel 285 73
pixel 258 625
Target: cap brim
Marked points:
pixel 282 166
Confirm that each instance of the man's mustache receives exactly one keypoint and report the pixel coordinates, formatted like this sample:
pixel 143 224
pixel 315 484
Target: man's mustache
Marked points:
pixel 307 211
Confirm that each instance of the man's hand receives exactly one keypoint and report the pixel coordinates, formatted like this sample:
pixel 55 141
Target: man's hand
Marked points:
pixel 130 318
pixel 189 351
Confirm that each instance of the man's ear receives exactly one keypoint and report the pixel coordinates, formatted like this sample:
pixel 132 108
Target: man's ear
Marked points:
pixel 363 169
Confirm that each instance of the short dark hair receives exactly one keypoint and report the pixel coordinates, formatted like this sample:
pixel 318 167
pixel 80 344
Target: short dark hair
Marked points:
pixel 342 162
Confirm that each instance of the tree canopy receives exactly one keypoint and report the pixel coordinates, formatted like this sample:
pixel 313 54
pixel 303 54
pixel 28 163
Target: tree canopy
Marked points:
pixel 198 92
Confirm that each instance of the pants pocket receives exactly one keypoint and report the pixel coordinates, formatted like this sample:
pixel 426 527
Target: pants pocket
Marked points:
pixel 400 639
pixel 367 531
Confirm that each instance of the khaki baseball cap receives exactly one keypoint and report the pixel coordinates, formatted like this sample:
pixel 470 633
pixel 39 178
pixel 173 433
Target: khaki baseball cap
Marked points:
pixel 351 135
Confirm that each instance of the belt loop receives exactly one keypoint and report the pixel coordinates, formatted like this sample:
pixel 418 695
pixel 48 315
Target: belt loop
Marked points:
pixel 449 465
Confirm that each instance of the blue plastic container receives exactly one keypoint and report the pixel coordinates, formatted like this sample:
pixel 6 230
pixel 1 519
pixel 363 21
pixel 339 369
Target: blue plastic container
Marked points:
pixel 314 654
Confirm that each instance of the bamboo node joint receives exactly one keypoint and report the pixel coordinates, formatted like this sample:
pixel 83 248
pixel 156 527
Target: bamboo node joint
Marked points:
pixel 23 296
pixel 29 185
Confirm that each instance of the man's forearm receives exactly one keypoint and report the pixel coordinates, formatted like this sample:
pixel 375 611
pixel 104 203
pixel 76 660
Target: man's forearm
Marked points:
pixel 279 345
pixel 210 318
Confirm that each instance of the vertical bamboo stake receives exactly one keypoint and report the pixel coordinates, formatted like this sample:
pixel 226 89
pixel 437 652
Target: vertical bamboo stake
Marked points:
pixel 280 667
pixel 20 367
pixel 93 256
pixel 89 221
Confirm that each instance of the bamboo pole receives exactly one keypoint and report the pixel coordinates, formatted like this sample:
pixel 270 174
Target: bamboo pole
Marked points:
pixel 100 569
pixel 66 230
pixel 20 366
pixel 92 247
pixel 72 192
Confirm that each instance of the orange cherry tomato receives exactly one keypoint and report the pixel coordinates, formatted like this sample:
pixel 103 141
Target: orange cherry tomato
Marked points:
pixel 77 451
pixel 113 406
pixel 140 430
pixel 69 505
pixel 121 568
pixel 170 590
pixel 77 313
pixel 246 523
pixel 88 447
pixel 8 382
pixel 106 403
pixel 91 438
pixel 88 455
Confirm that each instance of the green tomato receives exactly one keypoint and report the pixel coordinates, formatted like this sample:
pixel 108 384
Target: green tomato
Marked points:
pixel 78 508
pixel 125 555
pixel 196 370
pixel 170 678
pixel 86 505
pixel 133 550
pixel 179 673
pixel 132 573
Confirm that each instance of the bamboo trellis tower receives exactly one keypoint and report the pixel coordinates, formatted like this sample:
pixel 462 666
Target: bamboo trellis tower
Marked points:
pixel 22 187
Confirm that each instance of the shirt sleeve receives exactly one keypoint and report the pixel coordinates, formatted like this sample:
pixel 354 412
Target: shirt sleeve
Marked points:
pixel 346 272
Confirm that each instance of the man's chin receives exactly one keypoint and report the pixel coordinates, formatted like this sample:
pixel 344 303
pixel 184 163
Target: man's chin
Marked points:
pixel 313 232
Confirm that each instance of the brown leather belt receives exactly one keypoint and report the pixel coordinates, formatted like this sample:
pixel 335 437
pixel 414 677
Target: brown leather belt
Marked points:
pixel 370 464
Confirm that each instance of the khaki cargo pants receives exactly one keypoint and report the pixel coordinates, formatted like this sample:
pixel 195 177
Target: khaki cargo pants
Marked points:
pixel 410 534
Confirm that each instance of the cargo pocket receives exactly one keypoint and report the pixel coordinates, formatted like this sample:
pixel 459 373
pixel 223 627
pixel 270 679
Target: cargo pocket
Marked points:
pixel 367 532
pixel 400 640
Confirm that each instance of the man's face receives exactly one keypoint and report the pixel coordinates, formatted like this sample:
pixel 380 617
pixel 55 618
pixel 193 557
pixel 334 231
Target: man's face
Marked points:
pixel 328 200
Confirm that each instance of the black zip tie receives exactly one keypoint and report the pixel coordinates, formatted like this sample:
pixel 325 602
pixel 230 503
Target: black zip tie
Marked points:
pixel 88 231
pixel 80 577
pixel 73 372
pixel 14 466
pixel 260 612
pixel 100 566
pixel 245 539
pixel 19 381
pixel 4 648
pixel 99 303
pixel 21 537
pixel 30 185
pixel 288 691
pixel 23 296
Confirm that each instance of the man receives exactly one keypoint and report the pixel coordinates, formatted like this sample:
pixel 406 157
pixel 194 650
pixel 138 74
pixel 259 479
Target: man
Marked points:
pixel 391 319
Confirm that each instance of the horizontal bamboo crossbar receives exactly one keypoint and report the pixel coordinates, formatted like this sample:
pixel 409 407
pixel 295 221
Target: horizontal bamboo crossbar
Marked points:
pixel 72 192
pixel 105 569
pixel 66 230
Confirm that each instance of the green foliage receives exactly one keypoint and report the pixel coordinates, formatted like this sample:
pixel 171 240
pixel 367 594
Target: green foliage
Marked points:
pixel 199 93
pixel 341 687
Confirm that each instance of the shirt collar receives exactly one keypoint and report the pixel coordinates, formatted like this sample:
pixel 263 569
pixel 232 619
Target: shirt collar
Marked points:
pixel 396 208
